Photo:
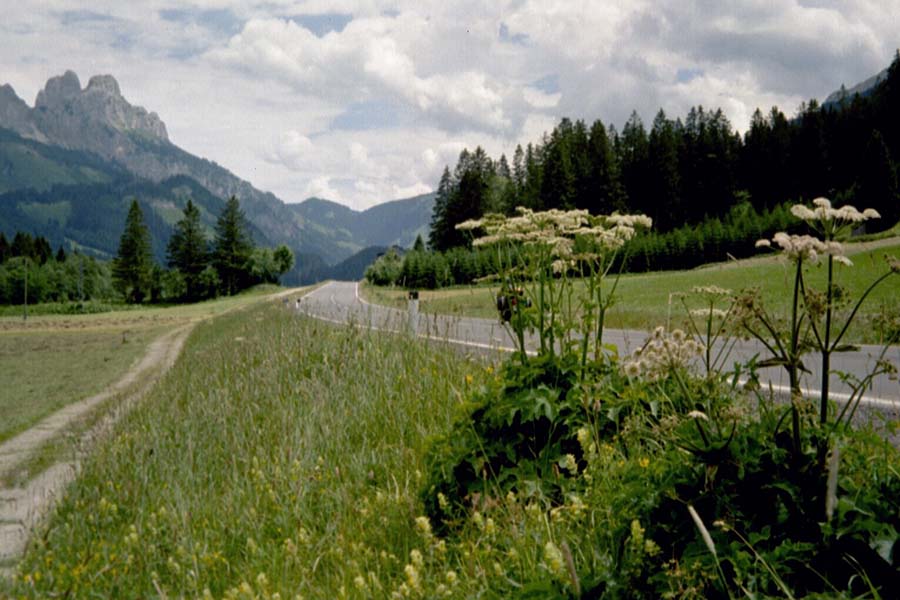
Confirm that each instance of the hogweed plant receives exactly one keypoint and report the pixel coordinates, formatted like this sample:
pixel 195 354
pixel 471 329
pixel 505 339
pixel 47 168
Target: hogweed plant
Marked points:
pixel 539 252
pixel 813 313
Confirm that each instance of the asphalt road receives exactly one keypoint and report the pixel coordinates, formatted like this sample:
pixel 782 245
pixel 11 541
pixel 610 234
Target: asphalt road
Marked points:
pixel 339 302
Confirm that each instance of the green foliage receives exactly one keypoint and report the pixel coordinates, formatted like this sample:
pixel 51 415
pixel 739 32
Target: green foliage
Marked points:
pixel 232 248
pixel 386 269
pixel 464 195
pixel 284 259
pixel 291 447
pixel 188 252
pixel 133 265
pixel 267 265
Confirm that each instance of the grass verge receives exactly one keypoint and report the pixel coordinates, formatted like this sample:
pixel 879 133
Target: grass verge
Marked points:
pixel 278 455
pixel 53 360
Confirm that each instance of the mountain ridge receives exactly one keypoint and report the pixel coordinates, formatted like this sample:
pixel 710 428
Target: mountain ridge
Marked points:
pixel 99 121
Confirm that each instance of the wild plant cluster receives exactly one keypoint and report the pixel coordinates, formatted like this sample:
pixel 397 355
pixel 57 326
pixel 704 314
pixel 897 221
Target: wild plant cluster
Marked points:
pixel 662 474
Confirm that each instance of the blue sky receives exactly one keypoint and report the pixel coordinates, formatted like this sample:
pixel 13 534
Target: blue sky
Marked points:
pixel 366 101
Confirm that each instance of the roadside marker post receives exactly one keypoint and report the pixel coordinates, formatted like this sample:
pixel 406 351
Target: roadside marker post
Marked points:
pixel 413 312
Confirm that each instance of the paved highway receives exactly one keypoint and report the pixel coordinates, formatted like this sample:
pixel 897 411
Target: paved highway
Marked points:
pixel 339 302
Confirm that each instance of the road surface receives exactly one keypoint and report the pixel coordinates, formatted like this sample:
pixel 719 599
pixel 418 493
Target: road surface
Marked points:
pixel 339 302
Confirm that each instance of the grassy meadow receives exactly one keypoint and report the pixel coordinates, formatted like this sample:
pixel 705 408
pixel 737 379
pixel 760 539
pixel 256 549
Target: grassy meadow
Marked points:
pixel 279 455
pixel 646 300
pixel 52 360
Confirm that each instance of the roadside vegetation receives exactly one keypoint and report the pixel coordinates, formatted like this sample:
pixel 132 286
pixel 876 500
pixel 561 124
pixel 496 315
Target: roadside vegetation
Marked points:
pixel 279 455
pixel 284 457
pixel 645 300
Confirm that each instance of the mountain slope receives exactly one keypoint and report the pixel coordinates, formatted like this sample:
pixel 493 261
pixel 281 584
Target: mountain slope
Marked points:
pixel 89 216
pixel 99 123
pixel 394 223
pixel 863 89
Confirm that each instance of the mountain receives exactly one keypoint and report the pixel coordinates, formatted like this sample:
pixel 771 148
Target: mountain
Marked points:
pixel 863 89
pixel 93 136
pixel 395 223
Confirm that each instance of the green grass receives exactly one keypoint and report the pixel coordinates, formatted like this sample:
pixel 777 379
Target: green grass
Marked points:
pixel 44 371
pixel 50 360
pixel 643 300
pixel 279 455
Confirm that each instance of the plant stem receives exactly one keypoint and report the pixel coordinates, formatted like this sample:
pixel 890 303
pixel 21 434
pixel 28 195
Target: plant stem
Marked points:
pixel 796 394
pixel 826 349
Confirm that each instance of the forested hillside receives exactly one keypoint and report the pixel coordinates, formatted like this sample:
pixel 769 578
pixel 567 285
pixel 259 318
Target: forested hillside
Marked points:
pixel 689 170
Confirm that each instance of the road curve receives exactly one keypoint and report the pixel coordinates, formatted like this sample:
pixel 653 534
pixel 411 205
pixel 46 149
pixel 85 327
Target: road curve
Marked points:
pixel 339 302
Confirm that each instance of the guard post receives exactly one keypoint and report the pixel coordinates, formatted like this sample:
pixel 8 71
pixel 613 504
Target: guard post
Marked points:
pixel 413 323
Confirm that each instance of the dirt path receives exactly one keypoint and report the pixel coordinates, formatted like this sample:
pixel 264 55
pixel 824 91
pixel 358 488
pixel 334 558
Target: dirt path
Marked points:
pixel 21 508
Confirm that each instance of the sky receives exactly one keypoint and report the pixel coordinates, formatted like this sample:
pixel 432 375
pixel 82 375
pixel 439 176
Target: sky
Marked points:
pixel 365 101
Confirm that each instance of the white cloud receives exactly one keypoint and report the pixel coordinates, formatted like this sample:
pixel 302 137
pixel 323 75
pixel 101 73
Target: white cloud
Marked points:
pixel 249 86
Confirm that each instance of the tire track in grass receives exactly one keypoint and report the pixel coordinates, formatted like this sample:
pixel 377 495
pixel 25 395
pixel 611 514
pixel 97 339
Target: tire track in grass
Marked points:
pixel 21 508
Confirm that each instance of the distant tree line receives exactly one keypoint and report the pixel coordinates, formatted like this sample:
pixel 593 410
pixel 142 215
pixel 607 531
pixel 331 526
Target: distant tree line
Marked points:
pixel 688 174
pixel 423 269
pixel 198 268
pixel 51 277
pixel 732 236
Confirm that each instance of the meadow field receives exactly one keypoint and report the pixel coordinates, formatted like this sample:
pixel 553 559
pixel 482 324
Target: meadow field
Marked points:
pixel 280 455
pixel 644 301
pixel 53 359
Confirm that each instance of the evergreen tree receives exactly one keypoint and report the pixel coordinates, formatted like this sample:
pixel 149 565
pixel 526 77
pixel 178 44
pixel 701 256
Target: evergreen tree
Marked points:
pixel 634 160
pixel 518 170
pixel 438 234
pixel 5 250
pixel 534 174
pixel 233 248
pixel 187 251
pixel 877 183
pixel 558 181
pixel 418 245
pixel 22 245
pixel 663 186
pixel 809 158
pixel 61 255
pixel 132 267
pixel 603 193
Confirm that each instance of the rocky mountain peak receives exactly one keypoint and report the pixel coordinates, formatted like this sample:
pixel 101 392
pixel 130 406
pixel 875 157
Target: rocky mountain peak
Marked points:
pixel 14 113
pixel 58 90
pixel 106 84
pixel 97 118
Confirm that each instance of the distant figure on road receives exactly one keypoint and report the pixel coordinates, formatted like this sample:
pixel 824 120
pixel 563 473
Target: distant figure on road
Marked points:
pixel 298 304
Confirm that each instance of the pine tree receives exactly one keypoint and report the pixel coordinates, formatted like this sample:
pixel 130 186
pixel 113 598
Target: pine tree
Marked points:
pixel 439 231
pixel 233 248
pixel 876 185
pixel 604 189
pixel 187 251
pixel 5 250
pixel 419 244
pixel 133 264
pixel 634 161
pixel 663 187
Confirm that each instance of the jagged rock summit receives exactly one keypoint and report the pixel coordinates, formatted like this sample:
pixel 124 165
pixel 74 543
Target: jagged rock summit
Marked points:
pixel 63 110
